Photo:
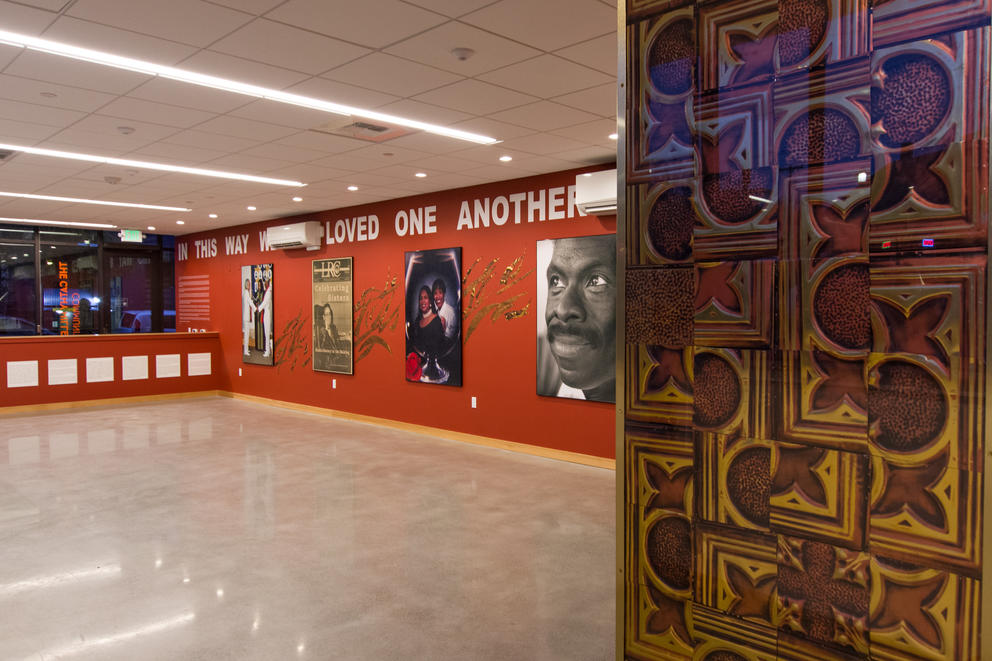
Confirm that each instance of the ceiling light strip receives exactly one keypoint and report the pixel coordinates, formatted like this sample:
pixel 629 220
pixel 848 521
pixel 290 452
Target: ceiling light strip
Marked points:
pixel 80 200
pixel 61 223
pixel 148 165
pixel 215 82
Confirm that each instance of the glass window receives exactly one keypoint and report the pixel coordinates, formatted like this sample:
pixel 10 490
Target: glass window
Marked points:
pixel 70 289
pixel 69 235
pixel 16 233
pixel 18 299
pixel 168 291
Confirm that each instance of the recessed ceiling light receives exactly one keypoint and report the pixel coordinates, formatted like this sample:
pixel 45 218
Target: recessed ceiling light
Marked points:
pixel 195 78
pixel 125 130
pixel 251 208
pixel 506 159
pixel 66 223
pixel 297 199
pixel 420 174
pixel 352 188
pixel 165 167
pixel 213 215
pixel 613 136
pixel 180 222
pixel 151 228
pixel 80 200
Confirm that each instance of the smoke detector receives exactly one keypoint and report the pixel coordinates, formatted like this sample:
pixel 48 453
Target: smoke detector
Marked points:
pixel 112 180
pixel 462 53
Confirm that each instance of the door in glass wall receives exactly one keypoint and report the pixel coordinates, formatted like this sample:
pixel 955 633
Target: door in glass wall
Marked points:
pixel 70 293
pixel 18 295
pixel 134 305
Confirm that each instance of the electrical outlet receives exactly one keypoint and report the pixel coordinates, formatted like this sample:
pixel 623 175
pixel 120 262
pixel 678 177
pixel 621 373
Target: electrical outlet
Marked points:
pixel 334 383
pixel 239 371
pixel 473 401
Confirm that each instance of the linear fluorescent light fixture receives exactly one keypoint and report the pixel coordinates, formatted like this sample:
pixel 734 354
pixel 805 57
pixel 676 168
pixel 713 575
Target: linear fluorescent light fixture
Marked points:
pixel 80 200
pixel 60 223
pixel 148 165
pixel 182 75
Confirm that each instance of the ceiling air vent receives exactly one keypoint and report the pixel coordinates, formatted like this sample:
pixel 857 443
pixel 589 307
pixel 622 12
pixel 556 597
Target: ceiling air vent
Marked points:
pixel 362 130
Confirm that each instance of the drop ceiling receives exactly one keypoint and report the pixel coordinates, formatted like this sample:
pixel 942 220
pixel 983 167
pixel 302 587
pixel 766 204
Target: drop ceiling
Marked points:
pixel 542 80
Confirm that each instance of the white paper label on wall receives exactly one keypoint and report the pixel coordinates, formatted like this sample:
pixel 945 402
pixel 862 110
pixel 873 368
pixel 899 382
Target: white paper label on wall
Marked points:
pixel 62 372
pixel 99 370
pixel 167 365
pixel 198 364
pixel 22 373
pixel 134 368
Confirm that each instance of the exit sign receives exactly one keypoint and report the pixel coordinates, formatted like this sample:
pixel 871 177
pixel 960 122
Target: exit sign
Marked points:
pixel 131 236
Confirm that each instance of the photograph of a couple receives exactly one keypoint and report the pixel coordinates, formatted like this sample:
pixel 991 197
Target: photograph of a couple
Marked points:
pixel 433 316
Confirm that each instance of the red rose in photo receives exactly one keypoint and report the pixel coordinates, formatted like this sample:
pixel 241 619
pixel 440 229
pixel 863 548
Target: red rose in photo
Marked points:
pixel 413 368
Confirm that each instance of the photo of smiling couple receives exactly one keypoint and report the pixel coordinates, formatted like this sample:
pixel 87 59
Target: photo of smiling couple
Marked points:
pixel 576 291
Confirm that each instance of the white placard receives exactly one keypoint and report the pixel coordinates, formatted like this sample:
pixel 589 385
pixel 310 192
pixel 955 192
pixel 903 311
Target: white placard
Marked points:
pixel 134 368
pixel 99 370
pixel 62 372
pixel 167 365
pixel 22 373
pixel 198 364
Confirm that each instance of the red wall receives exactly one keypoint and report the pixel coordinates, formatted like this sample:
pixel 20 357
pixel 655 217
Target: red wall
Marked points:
pixel 45 348
pixel 498 357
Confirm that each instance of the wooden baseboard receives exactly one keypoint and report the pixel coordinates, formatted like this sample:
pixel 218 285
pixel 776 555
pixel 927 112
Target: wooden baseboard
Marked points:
pixel 55 407
pixel 511 446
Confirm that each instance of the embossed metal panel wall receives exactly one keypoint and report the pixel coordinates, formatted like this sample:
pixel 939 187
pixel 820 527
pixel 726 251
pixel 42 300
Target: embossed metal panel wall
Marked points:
pixel 805 235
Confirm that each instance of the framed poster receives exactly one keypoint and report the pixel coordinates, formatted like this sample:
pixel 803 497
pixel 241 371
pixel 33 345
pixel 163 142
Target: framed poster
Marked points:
pixel 258 344
pixel 434 316
pixel 332 315
pixel 576 324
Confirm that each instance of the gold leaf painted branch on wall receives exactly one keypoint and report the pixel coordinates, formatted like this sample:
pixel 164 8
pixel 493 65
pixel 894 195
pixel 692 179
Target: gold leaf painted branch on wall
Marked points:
pixel 477 293
pixel 376 311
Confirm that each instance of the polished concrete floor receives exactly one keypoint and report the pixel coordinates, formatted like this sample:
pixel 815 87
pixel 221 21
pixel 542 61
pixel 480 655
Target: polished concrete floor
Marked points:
pixel 219 529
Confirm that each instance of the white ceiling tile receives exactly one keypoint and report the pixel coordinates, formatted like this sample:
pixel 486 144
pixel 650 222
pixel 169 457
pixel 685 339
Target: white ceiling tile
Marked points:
pixel 89 132
pixel 475 97
pixel 38 114
pixel 547 76
pixel 245 128
pixel 452 8
pixel 50 5
pixel 589 155
pixel 243 163
pixel 186 21
pixel 21 132
pixel 391 74
pixel 424 112
pixel 289 47
pixel 387 154
pixel 126 107
pixel 434 48
pixel 501 172
pixel 596 133
pixel 65 71
pixel 204 140
pixel 172 153
pixel 308 172
pixel 489 154
pixel 242 70
pixel 278 151
pixel 349 95
pixel 284 114
pixel 348 162
pixel 544 116
pixel 428 142
pixel 493 128
pixel 256 7
pixel 542 164
pixel 329 144
pixel 114 40
pixel 28 20
pixel 56 167
pixel 372 23
pixel 549 24
pixel 190 96
pixel 600 53
pixel 543 144
pixel 8 54
pixel 446 164
pixel 601 100
pixel 71 98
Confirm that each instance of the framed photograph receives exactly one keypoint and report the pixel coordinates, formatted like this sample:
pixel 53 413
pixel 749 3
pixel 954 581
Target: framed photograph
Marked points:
pixel 576 320
pixel 434 316
pixel 258 343
pixel 332 315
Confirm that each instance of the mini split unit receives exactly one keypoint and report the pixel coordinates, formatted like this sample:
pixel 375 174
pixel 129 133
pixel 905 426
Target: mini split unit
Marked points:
pixel 596 192
pixel 298 235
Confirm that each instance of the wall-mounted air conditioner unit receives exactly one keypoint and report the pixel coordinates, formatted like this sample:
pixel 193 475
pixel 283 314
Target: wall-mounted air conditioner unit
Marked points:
pixel 298 235
pixel 596 192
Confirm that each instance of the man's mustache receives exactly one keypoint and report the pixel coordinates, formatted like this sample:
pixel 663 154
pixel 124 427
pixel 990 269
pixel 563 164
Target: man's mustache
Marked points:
pixel 558 328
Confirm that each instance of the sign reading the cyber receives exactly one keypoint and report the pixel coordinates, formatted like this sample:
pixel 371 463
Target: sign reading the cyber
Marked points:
pixel 576 320
pixel 332 315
